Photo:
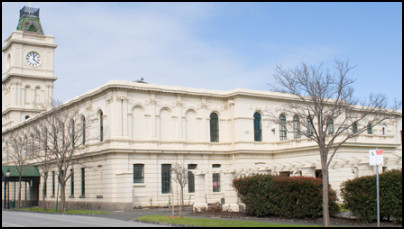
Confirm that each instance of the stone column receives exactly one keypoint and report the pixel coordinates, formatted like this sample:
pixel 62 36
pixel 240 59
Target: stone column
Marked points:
pixel 200 202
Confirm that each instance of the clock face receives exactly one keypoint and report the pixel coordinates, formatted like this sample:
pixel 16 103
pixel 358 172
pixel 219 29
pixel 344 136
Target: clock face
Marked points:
pixel 33 59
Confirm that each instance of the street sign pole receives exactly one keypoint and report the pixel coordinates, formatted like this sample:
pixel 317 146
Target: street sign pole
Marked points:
pixel 377 188
pixel 377 191
pixel 376 158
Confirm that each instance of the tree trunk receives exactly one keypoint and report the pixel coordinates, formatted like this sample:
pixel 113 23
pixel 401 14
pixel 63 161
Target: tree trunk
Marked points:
pixel 326 214
pixel 182 200
pixel 43 192
pixel 62 197
pixel 62 193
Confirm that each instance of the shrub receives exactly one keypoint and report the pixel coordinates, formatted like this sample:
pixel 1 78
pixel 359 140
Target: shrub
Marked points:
pixel 359 196
pixel 292 197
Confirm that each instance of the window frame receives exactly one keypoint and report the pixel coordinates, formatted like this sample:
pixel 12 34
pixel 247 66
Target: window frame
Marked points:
pixel 282 128
pixel 165 178
pixel 83 182
pixel 369 129
pixel 257 127
pixel 214 127
pixel 216 178
pixel 71 182
pixel 191 178
pixel 296 127
pixel 101 119
pixel 138 173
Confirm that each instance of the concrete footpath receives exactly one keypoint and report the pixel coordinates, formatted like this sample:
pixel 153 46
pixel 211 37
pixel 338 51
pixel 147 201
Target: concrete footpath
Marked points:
pixel 135 213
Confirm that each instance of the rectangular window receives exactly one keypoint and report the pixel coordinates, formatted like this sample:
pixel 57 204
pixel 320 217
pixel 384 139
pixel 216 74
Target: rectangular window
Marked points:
pixel 330 124
pixel 355 128
pixel 216 182
pixel 309 127
pixel 71 183
pixel 282 134
pixel 83 182
pixel 191 178
pixel 319 173
pixel 44 184
pixel 369 127
pixel 138 173
pixel 53 183
pixel 165 178
pixel 84 131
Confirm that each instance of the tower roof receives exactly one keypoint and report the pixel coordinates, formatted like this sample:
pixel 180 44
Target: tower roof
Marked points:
pixel 29 20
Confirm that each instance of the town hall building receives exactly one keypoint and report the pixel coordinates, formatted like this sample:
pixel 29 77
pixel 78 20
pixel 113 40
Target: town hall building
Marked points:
pixel 138 131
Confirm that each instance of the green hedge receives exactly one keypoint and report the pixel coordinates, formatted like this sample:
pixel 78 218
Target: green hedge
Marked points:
pixel 292 197
pixel 359 196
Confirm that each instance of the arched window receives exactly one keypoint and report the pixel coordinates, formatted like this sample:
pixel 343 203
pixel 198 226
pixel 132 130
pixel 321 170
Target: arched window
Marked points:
pixel 214 128
pixel 296 126
pixel 83 129
pixel 330 126
pixel 282 127
pixel 32 28
pixel 369 127
pixel 355 128
pixel 8 60
pixel 191 125
pixel 101 126
pixel 28 96
pixel 138 123
pixel 72 132
pixel 257 127
pixel 37 96
pixel 165 125
pixel 309 127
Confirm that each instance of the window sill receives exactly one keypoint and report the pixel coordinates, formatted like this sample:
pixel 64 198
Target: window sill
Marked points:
pixel 139 185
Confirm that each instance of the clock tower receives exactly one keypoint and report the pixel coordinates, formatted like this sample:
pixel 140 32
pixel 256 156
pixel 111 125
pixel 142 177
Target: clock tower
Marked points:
pixel 28 73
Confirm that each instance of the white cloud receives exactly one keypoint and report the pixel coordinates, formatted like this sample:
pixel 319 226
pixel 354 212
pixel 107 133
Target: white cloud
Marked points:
pixel 98 42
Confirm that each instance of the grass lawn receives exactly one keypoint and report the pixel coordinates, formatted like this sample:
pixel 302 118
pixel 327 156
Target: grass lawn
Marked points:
pixel 75 212
pixel 214 222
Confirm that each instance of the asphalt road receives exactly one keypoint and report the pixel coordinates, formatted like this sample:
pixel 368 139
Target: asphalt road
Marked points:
pixel 28 219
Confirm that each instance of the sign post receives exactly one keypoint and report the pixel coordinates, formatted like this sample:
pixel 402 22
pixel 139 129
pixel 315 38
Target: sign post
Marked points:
pixel 376 158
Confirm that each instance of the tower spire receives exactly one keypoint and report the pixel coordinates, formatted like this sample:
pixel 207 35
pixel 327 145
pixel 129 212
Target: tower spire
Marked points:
pixel 29 20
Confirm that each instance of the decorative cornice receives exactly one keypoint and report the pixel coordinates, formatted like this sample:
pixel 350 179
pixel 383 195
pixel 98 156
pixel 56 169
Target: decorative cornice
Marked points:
pixel 8 76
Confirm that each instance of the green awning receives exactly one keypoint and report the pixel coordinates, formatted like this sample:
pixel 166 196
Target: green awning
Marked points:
pixel 29 172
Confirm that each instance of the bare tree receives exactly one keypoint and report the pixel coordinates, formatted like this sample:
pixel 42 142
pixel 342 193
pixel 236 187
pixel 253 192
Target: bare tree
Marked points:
pixel 64 132
pixel 181 177
pixel 17 147
pixel 42 153
pixel 322 98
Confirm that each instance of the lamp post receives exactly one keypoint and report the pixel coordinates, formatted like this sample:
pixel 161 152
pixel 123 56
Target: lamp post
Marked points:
pixel 8 190
pixel 5 180
pixel 31 192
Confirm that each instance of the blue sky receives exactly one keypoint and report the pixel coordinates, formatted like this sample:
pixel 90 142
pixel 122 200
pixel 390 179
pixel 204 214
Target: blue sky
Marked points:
pixel 218 46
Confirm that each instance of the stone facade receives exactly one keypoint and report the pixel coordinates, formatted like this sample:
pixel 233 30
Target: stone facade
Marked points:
pixel 154 126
